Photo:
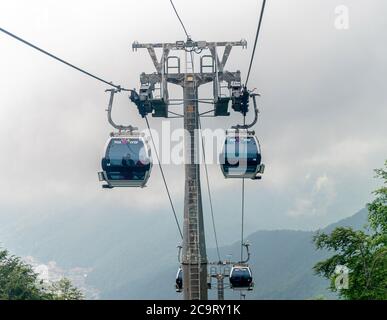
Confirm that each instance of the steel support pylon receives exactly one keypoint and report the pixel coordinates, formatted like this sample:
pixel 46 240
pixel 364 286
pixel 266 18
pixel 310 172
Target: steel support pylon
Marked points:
pixel 194 260
pixel 220 286
pixel 194 256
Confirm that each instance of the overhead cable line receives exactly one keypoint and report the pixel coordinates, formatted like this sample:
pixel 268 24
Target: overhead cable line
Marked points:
pixel 118 87
pixel 181 22
pixel 243 206
pixel 256 40
pixel 243 216
pixel 165 181
pixel 244 119
pixel 209 193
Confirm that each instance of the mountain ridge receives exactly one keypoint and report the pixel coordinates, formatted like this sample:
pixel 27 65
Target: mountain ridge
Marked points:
pixel 272 280
pixel 281 261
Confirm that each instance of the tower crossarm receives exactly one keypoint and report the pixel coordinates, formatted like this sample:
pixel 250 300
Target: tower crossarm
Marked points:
pixel 186 45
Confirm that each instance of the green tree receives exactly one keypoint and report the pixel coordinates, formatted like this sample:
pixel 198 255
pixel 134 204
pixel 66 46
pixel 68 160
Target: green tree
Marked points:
pixel 18 281
pixel 363 252
pixel 64 290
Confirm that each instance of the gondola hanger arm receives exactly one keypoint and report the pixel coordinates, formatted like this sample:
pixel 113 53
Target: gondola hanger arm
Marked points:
pixel 179 247
pixel 109 111
pixel 256 112
pixel 246 245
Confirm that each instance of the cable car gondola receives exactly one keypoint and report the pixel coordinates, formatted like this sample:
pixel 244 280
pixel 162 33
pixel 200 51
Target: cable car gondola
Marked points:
pixel 127 161
pixel 179 280
pixel 241 278
pixel 241 155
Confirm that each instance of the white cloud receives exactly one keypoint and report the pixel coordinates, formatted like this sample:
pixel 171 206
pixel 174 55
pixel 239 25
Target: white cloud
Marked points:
pixel 321 182
pixel 316 199
pixel 51 271
pixel 53 121
pixel 349 152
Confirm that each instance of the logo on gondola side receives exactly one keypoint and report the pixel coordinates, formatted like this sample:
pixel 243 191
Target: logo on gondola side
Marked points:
pixel 126 141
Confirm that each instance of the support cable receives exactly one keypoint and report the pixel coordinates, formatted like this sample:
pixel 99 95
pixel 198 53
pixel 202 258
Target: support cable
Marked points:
pixel 181 22
pixel 163 176
pixel 118 87
pixel 243 206
pixel 256 40
pixel 176 114
pixel 209 193
pixel 206 112
pixel 243 216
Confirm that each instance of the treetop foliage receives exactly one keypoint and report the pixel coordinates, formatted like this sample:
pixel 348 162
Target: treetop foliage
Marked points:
pixel 362 252
pixel 18 281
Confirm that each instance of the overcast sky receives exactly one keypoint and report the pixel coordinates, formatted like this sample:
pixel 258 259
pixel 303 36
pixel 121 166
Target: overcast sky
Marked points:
pixel 323 107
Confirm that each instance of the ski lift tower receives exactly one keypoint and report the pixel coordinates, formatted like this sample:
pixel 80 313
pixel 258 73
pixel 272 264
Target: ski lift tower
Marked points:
pixel 168 70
